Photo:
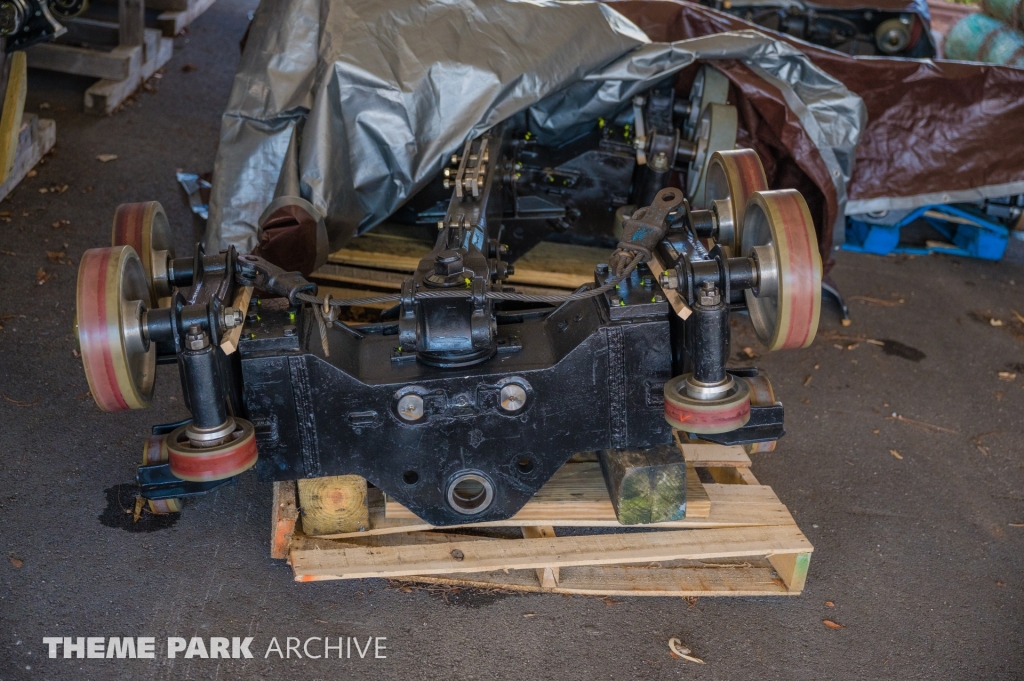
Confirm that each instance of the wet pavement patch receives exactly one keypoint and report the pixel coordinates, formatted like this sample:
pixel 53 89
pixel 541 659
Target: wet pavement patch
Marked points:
pixel 120 511
pixel 897 349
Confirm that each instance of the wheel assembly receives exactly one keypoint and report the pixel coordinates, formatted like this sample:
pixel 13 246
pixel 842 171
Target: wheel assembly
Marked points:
pixel 709 87
pixel 113 298
pixel 144 227
pixel 154 451
pixel 200 455
pixel 779 235
pixel 732 178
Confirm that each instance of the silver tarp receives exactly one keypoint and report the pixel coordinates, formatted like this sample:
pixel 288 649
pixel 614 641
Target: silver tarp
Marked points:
pixel 355 104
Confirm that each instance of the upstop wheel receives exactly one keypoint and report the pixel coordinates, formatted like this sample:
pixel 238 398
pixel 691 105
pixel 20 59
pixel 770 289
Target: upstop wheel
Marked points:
pixel 786 304
pixel 236 454
pixel 144 227
pixel 761 395
pixel 154 451
pixel 721 414
pixel 716 131
pixel 732 178
pixel 113 295
pixel 709 87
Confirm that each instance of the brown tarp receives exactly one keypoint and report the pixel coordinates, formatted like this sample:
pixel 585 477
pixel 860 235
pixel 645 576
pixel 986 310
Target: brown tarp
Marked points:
pixel 937 132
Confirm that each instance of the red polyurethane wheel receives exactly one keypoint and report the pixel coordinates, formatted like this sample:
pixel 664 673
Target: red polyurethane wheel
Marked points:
pixel 777 225
pixel 112 295
pixel 720 415
pixel 144 227
pixel 222 461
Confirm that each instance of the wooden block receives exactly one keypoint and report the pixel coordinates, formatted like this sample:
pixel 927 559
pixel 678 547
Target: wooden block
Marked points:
pixel 510 554
pixel 645 485
pixel 13 111
pixel 36 139
pixel 106 95
pixel 283 515
pixel 241 302
pixel 705 454
pixel 174 22
pixel 132 22
pixel 547 576
pixel 333 504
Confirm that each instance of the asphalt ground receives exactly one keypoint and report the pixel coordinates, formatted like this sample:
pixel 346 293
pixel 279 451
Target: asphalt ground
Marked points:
pixel 919 554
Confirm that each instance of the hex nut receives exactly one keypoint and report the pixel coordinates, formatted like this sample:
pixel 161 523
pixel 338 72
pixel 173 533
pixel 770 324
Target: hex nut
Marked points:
pixel 410 407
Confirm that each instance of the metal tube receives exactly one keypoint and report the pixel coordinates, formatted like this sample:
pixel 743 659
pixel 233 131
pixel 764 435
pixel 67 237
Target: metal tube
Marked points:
pixel 203 385
pixel 709 340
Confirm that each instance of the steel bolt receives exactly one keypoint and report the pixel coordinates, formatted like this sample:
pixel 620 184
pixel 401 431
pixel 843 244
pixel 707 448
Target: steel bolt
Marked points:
pixel 513 397
pixel 660 161
pixel 410 407
pixel 709 295
pixel 196 339
pixel 289 331
pixel 668 281
pixel 602 268
pixel 232 317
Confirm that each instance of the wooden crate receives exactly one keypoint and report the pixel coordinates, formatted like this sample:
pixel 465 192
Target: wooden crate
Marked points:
pixel 737 539
pixel 123 55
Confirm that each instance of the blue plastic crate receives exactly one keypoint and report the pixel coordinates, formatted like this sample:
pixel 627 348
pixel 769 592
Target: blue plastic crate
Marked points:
pixel 970 233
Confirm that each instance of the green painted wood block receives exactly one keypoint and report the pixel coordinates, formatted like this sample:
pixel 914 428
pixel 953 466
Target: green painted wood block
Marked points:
pixel 645 485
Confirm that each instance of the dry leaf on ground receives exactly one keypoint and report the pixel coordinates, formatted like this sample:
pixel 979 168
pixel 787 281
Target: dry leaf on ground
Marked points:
pixel 829 604
pixel 16 562
pixel 42 277
pixel 832 625
pixel 106 158
pixel 896 454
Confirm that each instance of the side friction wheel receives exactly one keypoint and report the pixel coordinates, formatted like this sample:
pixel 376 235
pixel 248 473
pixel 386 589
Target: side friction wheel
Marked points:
pixel 719 415
pixel 779 234
pixel 144 227
pixel 113 295
pixel 716 131
pixel 709 87
pixel 154 451
pixel 236 454
pixel 732 178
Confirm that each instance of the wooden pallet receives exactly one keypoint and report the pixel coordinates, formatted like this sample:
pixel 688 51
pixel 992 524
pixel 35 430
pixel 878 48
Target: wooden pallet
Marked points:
pixel 737 538
pixel 35 139
pixel 123 55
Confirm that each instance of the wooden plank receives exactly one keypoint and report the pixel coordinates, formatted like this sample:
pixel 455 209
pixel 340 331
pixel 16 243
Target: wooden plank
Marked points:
pixel 618 549
pixel 241 302
pixel 546 576
pixel 118 64
pixel 333 504
pixel 174 22
pixel 707 454
pixel 13 111
pixel 792 569
pixel 746 577
pixel 284 513
pixel 37 137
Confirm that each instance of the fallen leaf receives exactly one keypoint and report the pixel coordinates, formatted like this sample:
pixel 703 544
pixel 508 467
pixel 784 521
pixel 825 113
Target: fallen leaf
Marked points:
pixel 999 396
pixel 7 252
pixel 920 424
pixel 528 614
pixel 17 562
pixel 1016 524
pixel 876 431
pixel 43 190
pixel 748 351
pixel 610 601
pixel 75 353
pixel 106 158
pixel 896 454
pixel 846 322
pixel 61 223
pixel 32 173
pixel 137 513
pixel 999 582
pixel 829 604
pixel 405 589
pixel 59 257
pixel 44 105
pixel 1018 315
pixel 807 381
pixel 87 393
pixel 1007 376
pixel 832 625
pixel 806 400
pixel 995 322
pixel 42 277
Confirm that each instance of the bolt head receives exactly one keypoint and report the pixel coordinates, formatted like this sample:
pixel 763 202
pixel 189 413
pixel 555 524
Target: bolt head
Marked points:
pixel 196 339
pixel 513 397
pixel 410 407
pixel 232 317
pixel 289 331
